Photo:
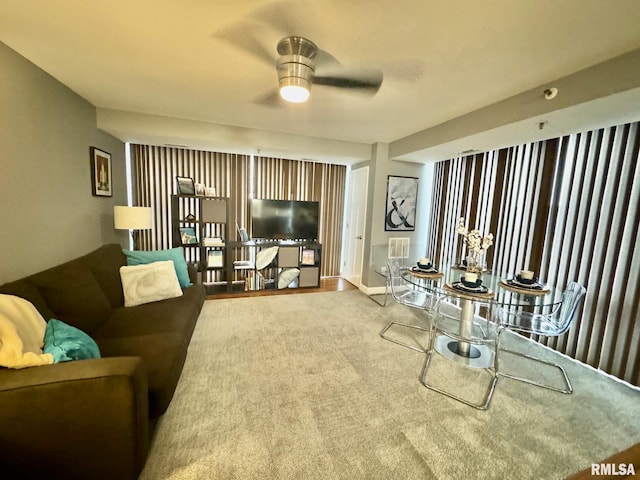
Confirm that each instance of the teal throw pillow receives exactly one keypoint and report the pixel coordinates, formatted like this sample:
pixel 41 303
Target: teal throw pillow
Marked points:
pixel 141 257
pixel 67 343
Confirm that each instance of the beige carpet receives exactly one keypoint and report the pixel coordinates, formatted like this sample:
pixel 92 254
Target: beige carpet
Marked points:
pixel 302 387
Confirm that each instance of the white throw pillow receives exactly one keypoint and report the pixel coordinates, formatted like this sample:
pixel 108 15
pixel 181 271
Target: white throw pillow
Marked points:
pixel 287 276
pixel 21 334
pixel 149 283
pixel 266 256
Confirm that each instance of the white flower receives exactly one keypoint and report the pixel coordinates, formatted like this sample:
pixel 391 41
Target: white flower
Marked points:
pixel 474 239
pixel 462 230
pixel 487 241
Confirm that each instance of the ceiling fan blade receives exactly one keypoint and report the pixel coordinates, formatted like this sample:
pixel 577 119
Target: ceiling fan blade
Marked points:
pixel 239 36
pixel 280 16
pixel 271 99
pixel 368 83
pixel 324 59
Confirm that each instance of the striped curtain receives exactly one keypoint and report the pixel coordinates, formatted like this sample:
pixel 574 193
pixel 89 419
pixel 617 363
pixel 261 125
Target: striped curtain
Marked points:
pixel 567 208
pixel 281 179
pixel 154 171
pixel 594 237
pixel 505 193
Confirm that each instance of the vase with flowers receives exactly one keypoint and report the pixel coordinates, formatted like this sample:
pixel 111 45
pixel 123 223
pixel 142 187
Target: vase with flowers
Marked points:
pixel 476 244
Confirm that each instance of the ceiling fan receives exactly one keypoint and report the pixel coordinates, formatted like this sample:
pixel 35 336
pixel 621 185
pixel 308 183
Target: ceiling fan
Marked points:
pixel 296 69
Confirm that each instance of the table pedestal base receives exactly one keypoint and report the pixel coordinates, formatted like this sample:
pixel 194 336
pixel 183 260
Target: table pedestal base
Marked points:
pixel 479 356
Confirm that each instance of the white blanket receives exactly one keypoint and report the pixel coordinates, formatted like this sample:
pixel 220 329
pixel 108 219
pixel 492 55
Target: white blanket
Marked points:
pixel 21 334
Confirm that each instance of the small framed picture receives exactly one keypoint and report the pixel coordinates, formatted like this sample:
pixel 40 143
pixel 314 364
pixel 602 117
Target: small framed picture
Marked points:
pixel 101 173
pixel 214 259
pixel 308 256
pixel 188 235
pixel 185 186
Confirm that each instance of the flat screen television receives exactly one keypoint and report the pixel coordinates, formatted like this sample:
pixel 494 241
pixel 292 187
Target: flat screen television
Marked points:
pixel 284 219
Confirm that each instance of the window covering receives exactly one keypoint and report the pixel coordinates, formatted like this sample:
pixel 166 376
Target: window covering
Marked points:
pixel 154 169
pixel 567 208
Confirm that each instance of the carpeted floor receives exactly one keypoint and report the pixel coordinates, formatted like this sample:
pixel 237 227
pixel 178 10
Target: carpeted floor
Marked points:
pixel 302 387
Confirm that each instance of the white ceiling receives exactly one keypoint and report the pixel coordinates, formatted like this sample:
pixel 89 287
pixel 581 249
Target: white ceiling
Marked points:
pixel 165 72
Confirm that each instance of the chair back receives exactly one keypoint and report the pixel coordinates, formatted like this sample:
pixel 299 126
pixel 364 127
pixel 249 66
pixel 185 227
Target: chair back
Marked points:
pixel 405 293
pixel 571 299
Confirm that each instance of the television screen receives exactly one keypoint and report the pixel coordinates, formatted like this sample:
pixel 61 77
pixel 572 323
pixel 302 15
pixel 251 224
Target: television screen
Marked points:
pixel 284 219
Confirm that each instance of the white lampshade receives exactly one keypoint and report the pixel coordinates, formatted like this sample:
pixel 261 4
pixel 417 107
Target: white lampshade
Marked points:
pixel 132 218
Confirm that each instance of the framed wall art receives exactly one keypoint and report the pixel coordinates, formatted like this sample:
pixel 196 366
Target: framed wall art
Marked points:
pixel 402 197
pixel 101 183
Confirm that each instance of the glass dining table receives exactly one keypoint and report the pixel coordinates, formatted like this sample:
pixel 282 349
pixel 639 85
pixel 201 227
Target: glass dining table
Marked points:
pixel 499 291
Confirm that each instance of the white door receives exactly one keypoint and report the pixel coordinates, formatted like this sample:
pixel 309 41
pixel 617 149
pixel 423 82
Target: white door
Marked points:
pixel 354 231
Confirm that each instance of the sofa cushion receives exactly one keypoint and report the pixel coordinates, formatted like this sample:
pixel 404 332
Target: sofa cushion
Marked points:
pixel 66 342
pixel 176 255
pixel 163 355
pixel 174 315
pixel 24 288
pixel 105 263
pixel 74 295
pixel 149 283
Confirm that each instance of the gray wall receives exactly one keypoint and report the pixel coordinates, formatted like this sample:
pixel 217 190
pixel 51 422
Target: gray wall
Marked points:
pixel 48 212
pixel 380 167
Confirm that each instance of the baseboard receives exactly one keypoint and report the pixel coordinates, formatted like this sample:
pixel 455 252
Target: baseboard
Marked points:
pixel 372 290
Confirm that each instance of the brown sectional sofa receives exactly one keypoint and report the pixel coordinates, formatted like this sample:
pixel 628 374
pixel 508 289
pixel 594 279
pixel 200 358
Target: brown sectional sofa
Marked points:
pixel 92 419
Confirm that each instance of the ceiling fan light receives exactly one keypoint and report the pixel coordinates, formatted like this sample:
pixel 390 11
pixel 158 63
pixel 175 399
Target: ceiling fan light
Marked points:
pixel 295 89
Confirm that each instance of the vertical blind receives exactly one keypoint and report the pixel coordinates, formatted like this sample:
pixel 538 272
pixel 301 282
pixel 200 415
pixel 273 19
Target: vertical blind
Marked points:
pixel 282 179
pixel 154 171
pixel 567 208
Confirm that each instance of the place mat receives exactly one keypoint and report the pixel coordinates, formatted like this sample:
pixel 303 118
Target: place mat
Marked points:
pixel 466 293
pixel 528 291
pixel 424 274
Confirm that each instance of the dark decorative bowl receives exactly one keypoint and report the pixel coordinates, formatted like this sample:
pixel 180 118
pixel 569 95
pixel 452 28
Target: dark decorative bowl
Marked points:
pixel 526 281
pixel 425 266
pixel 475 284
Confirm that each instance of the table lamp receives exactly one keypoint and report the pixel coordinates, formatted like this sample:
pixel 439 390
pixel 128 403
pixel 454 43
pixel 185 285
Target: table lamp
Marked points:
pixel 132 219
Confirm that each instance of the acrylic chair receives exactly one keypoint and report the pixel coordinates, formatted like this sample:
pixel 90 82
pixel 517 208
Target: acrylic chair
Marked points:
pixel 551 325
pixel 472 347
pixel 411 296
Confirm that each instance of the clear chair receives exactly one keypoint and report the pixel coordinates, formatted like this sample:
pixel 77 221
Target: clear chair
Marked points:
pixel 398 249
pixel 465 334
pixel 411 296
pixel 551 325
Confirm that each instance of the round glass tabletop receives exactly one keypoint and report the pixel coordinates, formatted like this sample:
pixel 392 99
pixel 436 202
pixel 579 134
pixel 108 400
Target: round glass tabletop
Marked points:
pixel 499 290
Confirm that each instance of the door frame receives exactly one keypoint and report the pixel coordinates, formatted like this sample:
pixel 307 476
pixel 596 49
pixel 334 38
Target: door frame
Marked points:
pixel 350 230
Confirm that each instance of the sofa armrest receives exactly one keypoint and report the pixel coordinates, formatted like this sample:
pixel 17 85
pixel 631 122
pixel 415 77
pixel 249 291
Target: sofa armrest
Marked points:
pixel 75 420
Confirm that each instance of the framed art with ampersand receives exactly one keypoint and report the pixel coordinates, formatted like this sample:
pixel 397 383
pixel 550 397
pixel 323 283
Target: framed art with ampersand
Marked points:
pixel 402 197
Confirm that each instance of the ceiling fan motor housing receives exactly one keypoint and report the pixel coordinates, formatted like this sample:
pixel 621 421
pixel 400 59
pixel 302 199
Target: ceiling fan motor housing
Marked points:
pixel 295 70
pixel 296 65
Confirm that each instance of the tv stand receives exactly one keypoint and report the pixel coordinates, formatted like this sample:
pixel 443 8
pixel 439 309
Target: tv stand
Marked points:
pixel 295 264
pixel 200 225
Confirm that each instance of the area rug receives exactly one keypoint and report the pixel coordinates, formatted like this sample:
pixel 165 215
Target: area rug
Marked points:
pixel 303 387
